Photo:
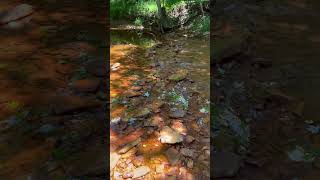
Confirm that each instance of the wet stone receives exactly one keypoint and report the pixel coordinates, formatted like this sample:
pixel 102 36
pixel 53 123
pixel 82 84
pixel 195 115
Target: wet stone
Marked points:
pixel 170 136
pixel 187 152
pixel 179 75
pixel 129 146
pixel 160 168
pixel 138 161
pixel 127 175
pixel 114 158
pixel 189 139
pixel 173 156
pixel 145 112
pixel 140 171
pixel 178 113
pixel 178 126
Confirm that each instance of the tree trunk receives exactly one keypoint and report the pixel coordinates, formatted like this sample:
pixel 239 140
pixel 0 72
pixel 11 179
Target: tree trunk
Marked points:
pixel 161 16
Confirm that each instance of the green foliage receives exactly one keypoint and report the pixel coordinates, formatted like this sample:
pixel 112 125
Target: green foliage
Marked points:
pixel 120 9
pixel 138 21
pixel 201 25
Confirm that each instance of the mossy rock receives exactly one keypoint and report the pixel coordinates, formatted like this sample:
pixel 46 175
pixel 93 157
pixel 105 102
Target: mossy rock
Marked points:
pixel 179 75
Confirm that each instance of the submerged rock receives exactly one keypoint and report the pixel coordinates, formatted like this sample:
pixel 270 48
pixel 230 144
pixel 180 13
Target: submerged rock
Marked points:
pixel 170 136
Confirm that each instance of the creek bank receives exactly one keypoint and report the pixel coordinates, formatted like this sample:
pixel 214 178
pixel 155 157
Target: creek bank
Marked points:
pixel 162 111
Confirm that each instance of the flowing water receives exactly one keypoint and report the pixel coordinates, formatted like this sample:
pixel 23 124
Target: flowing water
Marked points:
pixel 134 52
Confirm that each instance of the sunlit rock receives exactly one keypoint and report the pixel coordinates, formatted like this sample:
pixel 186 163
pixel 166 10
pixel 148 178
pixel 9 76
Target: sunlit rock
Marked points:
pixel 114 158
pixel 129 146
pixel 170 136
pixel 141 171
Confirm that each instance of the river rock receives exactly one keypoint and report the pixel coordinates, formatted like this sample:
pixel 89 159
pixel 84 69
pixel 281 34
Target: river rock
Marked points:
pixel 178 126
pixel 225 164
pixel 187 152
pixel 170 136
pixel 142 113
pixel 189 139
pixel 160 168
pixel 114 158
pixel 177 113
pixel 129 146
pixel 86 85
pixel 181 74
pixel 140 171
pixel 172 155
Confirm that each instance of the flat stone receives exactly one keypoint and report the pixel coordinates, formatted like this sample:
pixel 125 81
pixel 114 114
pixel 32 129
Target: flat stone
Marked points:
pixel 170 136
pixel 129 146
pixel 172 155
pixel 189 139
pixel 181 74
pixel 131 94
pixel 178 126
pixel 178 113
pixel 187 152
pixel 154 121
pixel 140 171
pixel 86 85
pixel 145 112
pixel 225 164
pixel 160 168
pixel 114 158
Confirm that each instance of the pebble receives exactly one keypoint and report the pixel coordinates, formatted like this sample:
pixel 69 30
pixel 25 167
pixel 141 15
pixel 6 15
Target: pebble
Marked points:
pixel 187 152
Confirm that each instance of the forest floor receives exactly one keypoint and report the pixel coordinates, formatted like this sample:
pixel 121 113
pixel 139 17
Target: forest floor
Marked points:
pixel 53 93
pixel 266 122
pixel 159 106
